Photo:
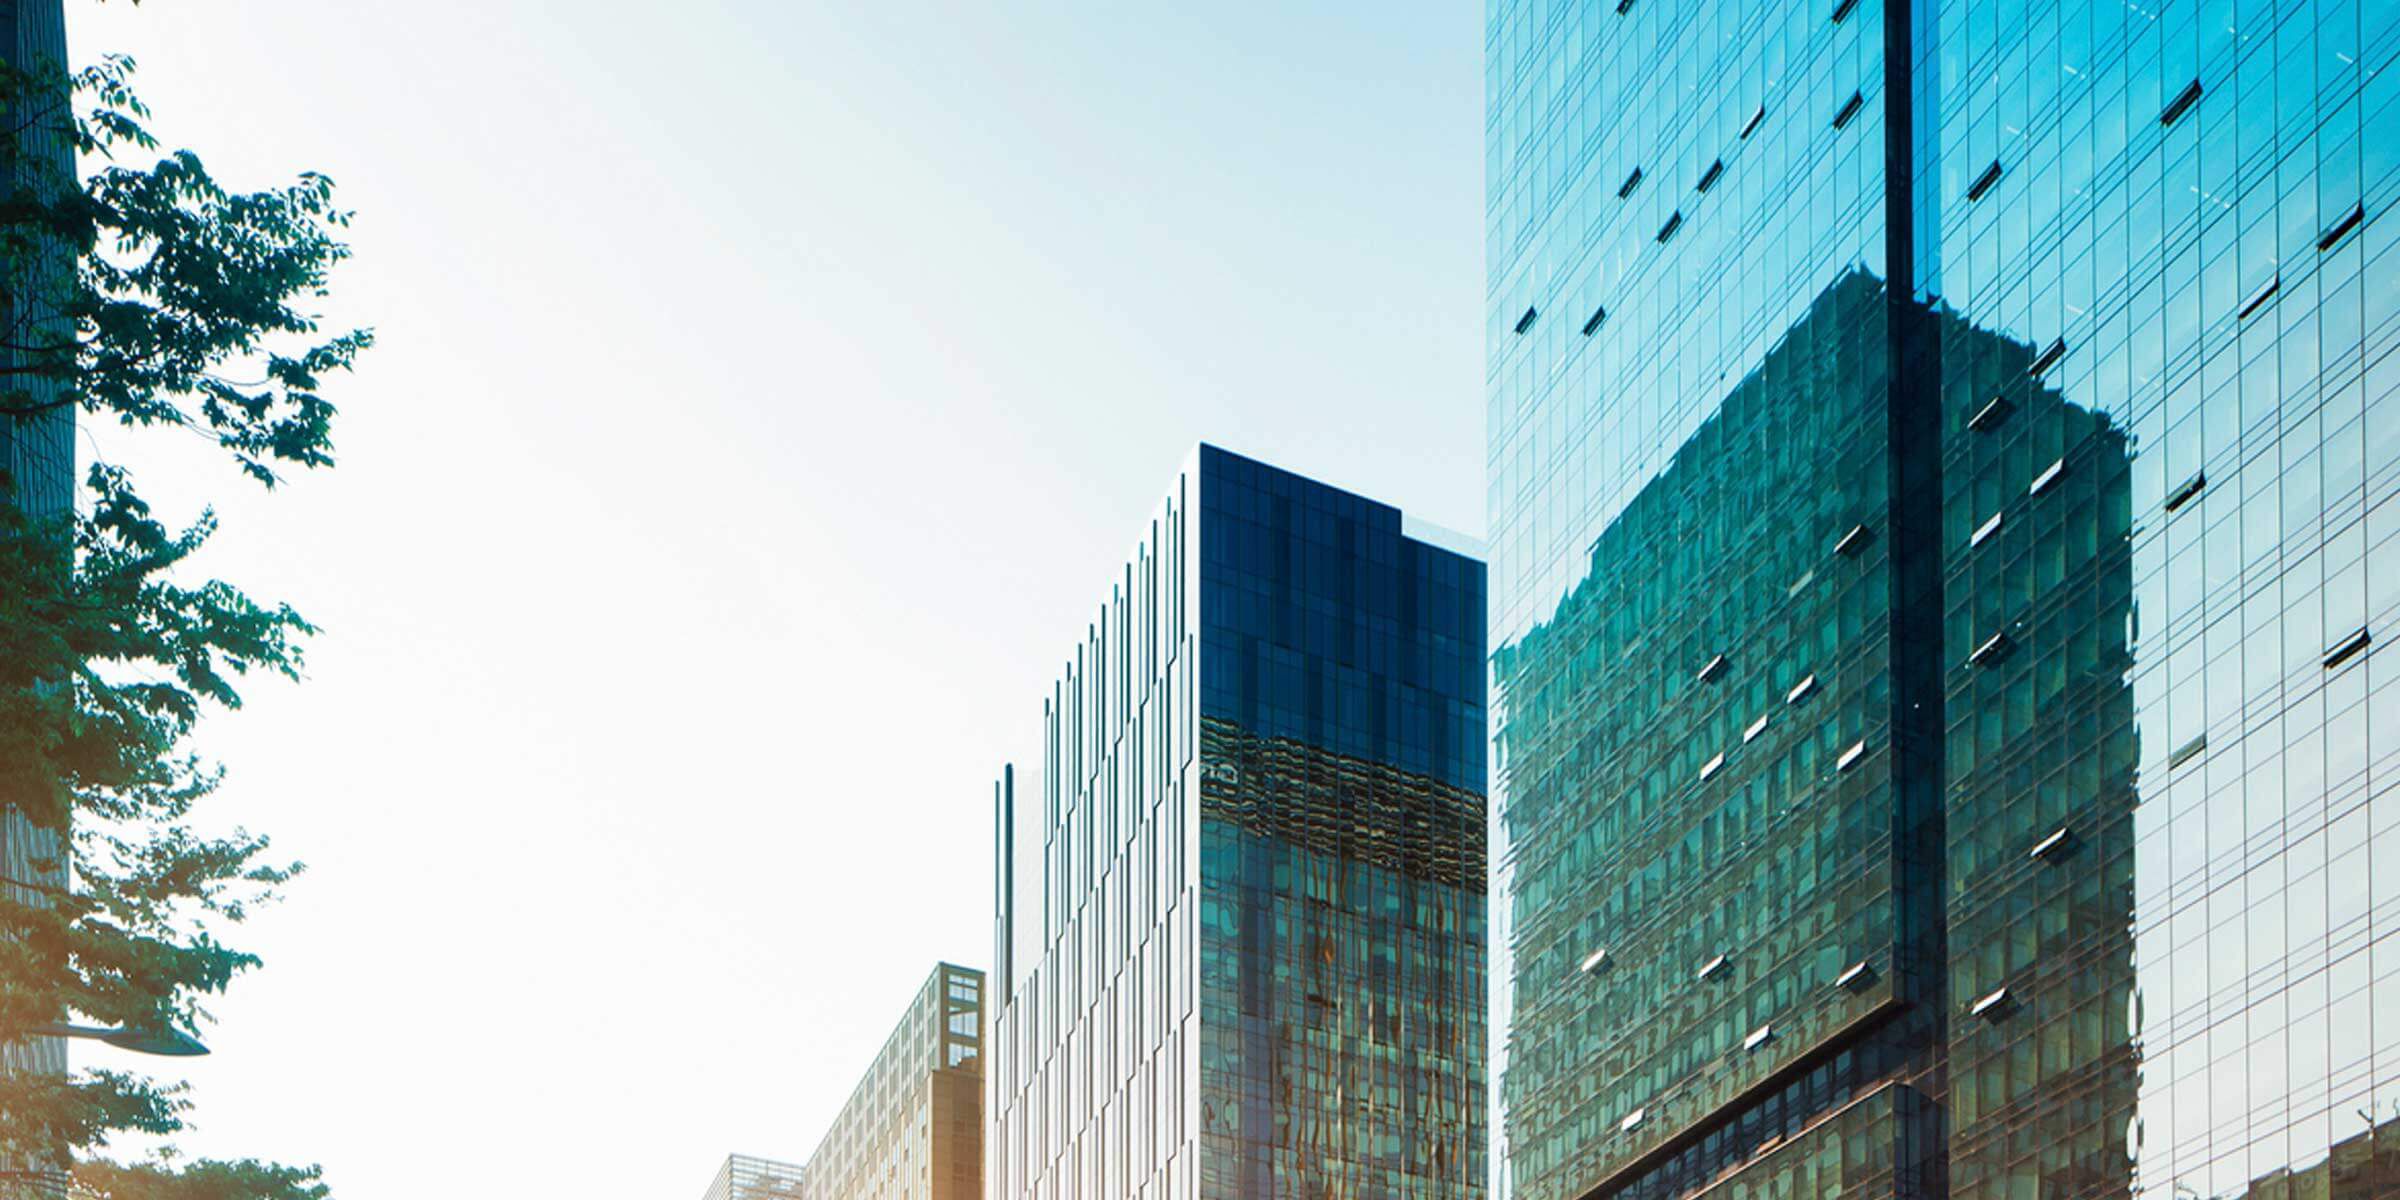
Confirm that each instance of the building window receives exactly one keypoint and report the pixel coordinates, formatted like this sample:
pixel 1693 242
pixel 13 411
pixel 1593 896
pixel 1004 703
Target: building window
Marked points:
pixel 1667 231
pixel 1852 542
pixel 1598 317
pixel 2187 752
pixel 1756 728
pixel 1850 109
pixel 1716 667
pixel 2050 356
pixel 1856 977
pixel 1850 757
pixel 1759 1038
pixel 1993 649
pixel 1631 182
pixel 1801 690
pixel 2183 494
pixel 1709 177
pixel 2181 104
pixel 1995 1006
pixel 1983 183
pixel 2053 847
pixel 2342 228
pixel 2259 299
pixel 1526 322
pixel 2049 475
pixel 1755 118
pixel 1714 967
pixel 1989 417
pixel 1595 962
pixel 1842 11
pixel 2348 649
pixel 1985 530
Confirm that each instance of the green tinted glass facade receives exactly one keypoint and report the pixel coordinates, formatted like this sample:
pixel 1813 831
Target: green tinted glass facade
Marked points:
pixel 1945 480
pixel 1242 916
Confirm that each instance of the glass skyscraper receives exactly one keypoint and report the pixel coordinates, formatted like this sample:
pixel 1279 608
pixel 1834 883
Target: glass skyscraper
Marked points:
pixel 1945 474
pixel 1240 909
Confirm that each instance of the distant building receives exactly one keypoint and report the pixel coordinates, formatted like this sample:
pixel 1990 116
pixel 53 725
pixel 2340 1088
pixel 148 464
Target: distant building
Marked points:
pixel 1240 920
pixel 746 1178
pixel 913 1129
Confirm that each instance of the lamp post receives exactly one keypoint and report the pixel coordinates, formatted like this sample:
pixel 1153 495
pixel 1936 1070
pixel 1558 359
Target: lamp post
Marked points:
pixel 161 1039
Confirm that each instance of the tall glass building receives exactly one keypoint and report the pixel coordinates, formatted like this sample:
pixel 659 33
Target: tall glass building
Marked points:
pixel 1240 913
pixel 1945 475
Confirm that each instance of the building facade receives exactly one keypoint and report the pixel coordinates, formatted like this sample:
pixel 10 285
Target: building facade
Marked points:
pixel 746 1178
pixel 1240 910
pixel 37 450
pixel 913 1127
pixel 1945 481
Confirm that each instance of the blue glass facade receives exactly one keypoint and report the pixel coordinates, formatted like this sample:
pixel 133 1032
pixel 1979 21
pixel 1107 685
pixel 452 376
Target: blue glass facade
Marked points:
pixel 1241 920
pixel 1945 467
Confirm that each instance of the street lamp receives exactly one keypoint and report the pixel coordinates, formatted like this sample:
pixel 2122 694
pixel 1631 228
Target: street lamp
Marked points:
pixel 161 1039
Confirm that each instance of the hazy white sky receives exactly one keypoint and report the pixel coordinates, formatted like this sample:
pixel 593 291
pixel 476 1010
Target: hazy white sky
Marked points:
pixel 767 391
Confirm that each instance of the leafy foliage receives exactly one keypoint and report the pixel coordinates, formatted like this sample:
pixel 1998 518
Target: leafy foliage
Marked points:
pixel 147 294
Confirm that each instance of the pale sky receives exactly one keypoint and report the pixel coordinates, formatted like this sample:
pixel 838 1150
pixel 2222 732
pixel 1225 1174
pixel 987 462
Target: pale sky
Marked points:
pixel 768 391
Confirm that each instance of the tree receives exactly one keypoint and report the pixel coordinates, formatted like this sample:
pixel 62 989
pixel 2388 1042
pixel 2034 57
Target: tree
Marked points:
pixel 144 293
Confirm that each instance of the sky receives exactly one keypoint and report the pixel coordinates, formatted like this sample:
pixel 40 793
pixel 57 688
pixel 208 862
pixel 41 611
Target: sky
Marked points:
pixel 766 392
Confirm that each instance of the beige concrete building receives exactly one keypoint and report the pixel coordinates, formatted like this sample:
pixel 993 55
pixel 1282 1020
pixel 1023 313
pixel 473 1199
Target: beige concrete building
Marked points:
pixel 913 1129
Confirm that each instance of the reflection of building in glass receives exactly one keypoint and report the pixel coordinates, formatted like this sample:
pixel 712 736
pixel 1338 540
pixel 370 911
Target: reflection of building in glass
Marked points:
pixel 1938 725
pixel 913 1128
pixel 746 1178
pixel 1241 922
